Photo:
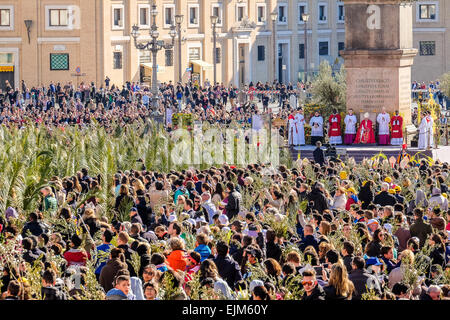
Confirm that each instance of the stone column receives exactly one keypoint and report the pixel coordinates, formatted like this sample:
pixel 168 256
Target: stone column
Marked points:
pixel 378 56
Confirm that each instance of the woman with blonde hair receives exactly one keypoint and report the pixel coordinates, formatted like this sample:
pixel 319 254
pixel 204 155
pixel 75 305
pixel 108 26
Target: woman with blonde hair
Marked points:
pixel 339 286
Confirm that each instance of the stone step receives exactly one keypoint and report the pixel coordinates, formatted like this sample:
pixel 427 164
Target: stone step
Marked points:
pixel 359 154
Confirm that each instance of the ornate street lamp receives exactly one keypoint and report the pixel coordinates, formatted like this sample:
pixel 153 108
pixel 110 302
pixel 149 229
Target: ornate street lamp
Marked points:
pixel 274 17
pixel 305 18
pixel 179 21
pixel 154 46
pixel 214 20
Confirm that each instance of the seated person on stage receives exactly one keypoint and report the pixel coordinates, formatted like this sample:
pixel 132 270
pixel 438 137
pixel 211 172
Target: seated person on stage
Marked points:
pixel 350 127
pixel 365 132
pixel 335 128
pixel 316 123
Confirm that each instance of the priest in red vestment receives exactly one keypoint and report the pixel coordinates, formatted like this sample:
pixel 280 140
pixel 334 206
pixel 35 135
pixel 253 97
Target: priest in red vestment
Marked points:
pixel 397 130
pixel 334 131
pixel 365 132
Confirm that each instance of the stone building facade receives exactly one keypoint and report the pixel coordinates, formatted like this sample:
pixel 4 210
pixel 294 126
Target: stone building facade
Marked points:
pixel 86 40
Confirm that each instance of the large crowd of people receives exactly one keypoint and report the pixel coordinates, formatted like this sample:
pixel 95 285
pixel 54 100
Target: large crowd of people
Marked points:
pixel 67 104
pixel 218 234
pixel 325 230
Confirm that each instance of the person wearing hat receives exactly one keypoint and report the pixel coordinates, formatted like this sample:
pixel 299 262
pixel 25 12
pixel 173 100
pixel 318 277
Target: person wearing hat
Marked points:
pixel 352 198
pixel 365 134
pixel 398 196
pixel 372 225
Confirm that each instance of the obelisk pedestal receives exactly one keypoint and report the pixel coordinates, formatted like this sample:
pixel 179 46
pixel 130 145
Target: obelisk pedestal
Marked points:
pixel 378 56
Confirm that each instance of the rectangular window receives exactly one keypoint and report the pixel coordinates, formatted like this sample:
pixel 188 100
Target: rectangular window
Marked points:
pixel 322 13
pixel 218 55
pixel 427 48
pixel 6 58
pixel 341 46
pixel 5 17
pixel 144 17
pixel 261 53
pixel 301 11
pixel 341 13
pixel 117 60
pixel 118 17
pixel 168 16
pixel 194 53
pixel 217 11
pixel 59 61
pixel 145 56
pixel 427 11
pixel 323 48
pixel 193 16
pixel 59 17
pixel 240 13
pixel 169 57
pixel 282 13
pixel 301 51
pixel 261 11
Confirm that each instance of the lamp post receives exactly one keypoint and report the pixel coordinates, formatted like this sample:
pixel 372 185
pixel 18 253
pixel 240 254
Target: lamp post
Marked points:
pixel 274 17
pixel 305 18
pixel 179 21
pixel 214 20
pixel 28 24
pixel 154 46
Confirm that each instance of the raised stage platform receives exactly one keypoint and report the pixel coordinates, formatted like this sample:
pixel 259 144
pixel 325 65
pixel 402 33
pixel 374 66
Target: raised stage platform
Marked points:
pixel 359 152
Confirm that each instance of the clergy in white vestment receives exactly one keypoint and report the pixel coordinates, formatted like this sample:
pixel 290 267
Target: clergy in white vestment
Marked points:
pixel 426 139
pixel 316 123
pixel 293 101
pixel 300 123
pixel 383 120
pixel 292 141
pixel 350 127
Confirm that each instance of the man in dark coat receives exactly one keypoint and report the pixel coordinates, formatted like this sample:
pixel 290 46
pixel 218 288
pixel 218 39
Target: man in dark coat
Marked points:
pixel 362 280
pixel 122 241
pixel 229 269
pixel 313 291
pixel 110 270
pixel 234 201
pixel 309 239
pixel 317 196
pixel 319 156
pixel 49 290
pixel 34 226
pixel 384 198
pixel 420 228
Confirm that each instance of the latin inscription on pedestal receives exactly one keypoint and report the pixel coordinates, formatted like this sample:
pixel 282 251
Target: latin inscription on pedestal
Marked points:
pixel 378 56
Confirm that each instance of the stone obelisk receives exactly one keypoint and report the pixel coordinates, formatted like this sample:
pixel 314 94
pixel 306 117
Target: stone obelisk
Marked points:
pixel 378 56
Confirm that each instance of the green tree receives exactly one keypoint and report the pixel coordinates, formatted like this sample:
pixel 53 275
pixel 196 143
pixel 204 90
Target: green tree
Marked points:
pixel 329 90
pixel 445 84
